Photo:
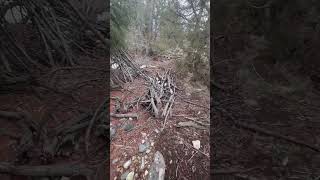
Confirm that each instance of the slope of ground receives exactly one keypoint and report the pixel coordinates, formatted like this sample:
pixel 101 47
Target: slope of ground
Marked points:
pixel 182 160
pixel 263 131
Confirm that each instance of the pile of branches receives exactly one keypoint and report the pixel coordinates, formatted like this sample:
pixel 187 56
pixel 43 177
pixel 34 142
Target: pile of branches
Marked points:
pixel 161 95
pixel 56 33
pixel 122 70
pixel 37 141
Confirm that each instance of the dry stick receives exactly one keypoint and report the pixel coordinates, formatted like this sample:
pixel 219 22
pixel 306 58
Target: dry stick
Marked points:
pixel 91 124
pixel 82 18
pixel 60 35
pixel 133 115
pixel 194 120
pixel 83 83
pixel 167 106
pixel 156 112
pixel 45 170
pixel 268 133
pixel 232 171
pixel 165 120
pixel 274 134
pixel 193 103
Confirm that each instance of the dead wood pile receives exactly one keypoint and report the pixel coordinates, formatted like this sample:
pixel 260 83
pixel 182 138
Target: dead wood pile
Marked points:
pixel 123 70
pixel 50 34
pixel 161 95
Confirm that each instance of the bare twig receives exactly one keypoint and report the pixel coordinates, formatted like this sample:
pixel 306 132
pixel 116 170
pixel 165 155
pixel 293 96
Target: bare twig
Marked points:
pixel 91 124
pixel 132 115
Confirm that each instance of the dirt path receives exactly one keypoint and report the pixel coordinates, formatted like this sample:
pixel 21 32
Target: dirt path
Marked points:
pixel 175 143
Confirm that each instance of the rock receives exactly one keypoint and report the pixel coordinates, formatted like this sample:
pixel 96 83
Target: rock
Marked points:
pixel 146 173
pixel 127 164
pixel 143 141
pixel 115 161
pixel 196 144
pixel 124 175
pixel 130 176
pixel 128 127
pixel 170 161
pixel 143 147
pixel 148 151
pixel 152 143
pixel 143 134
pixel 157 131
pixel 112 132
pixel 142 163
pixel 157 170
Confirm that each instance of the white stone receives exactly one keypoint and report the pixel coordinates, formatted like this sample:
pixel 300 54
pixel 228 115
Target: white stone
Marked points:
pixel 127 164
pixel 157 131
pixel 196 144
pixel 148 151
pixel 130 176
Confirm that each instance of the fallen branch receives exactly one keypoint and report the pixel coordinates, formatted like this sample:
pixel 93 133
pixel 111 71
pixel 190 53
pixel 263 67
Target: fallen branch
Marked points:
pixel 45 170
pixel 274 134
pixel 232 171
pixel 132 115
pixel 197 121
pixel 267 132
pixel 91 124
pixel 190 124
pixel 189 102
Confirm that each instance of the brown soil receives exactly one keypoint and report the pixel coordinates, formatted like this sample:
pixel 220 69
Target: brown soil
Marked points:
pixel 182 161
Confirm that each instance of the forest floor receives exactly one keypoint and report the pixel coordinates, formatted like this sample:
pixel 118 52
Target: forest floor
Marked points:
pixel 182 160
pixel 261 131
pixel 73 91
